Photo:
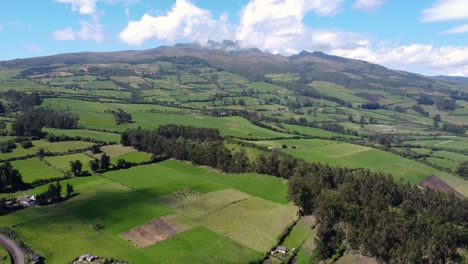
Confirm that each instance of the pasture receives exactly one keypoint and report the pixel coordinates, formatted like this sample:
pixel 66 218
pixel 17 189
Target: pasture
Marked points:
pixel 35 169
pixel 356 156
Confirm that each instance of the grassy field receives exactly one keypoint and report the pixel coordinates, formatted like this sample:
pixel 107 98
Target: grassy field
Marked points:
pixel 254 222
pixel 34 169
pixel 4 256
pixel 62 163
pixel 96 135
pixel 56 147
pixel 170 176
pixel 356 156
pixel 235 226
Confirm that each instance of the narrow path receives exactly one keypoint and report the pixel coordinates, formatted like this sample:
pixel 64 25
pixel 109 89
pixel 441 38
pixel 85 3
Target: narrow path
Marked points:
pixel 448 141
pixel 15 251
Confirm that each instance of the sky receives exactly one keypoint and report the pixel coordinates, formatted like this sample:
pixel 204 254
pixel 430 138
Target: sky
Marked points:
pixel 424 36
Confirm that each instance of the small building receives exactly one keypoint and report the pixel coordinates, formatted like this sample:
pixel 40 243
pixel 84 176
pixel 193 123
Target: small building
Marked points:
pixel 280 249
pixel 27 201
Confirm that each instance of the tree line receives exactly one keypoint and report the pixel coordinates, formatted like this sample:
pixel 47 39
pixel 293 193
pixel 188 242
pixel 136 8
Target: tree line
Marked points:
pixel 30 122
pixel 10 178
pixel 201 146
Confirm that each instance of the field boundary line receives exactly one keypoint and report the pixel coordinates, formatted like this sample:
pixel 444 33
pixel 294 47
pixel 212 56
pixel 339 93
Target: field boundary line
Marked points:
pixel 110 179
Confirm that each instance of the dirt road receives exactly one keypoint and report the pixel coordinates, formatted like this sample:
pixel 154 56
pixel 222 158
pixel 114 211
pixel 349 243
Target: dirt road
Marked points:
pixel 15 251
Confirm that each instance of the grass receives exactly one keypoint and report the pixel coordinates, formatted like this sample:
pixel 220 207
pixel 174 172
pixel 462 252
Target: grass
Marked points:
pixel 135 157
pixel 55 147
pixel 4 256
pixel 356 156
pixel 170 176
pixel 197 207
pixel 96 135
pixel 299 234
pixel 34 169
pixel 254 222
pixel 62 163
pixel 53 245
pixel 198 245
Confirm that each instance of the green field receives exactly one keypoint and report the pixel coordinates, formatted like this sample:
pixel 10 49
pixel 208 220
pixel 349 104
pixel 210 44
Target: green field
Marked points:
pixel 34 169
pixel 56 147
pixel 356 156
pixel 62 163
pixel 96 135
pixel 4 256
pixel 154 179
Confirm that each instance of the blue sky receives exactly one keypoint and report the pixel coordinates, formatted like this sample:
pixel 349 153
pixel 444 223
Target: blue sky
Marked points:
pixel 429 37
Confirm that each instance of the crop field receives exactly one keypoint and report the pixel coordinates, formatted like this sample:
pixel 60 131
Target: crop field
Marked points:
pixel 196 207
pixel 157 230
pixel 96 135
pixel 34 169
pixel 254 222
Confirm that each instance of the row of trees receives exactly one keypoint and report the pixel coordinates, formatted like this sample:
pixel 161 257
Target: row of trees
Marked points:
pixel 10 178
pixel 30 122
pixel 54 194
pixel 198 150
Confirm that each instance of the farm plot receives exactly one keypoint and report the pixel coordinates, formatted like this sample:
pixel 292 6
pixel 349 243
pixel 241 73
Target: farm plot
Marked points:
pixel 96 135
pixel 171 176
pixel 254 222
pixel 196 206
pixel 355 156
pixel 56 147
pixel 34 169
pixel 157 230
pixel 62 163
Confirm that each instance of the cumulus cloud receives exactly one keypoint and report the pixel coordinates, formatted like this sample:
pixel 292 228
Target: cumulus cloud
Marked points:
pixel 368 5
pixel 457 30
pixel 89 30
pixel 448 60
pixel 444 10
pixel 277 26
pixel 184 21
pixel 84 7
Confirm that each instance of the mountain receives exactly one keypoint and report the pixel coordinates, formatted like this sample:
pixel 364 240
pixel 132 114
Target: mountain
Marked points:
pixel 253 63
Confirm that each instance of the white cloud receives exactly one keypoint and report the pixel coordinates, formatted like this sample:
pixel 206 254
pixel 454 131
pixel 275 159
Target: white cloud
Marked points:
pixel 184 21
pixel 89 30
pixel 33 48
pixel 368 5
pixel 457 30
pixel 448 60
pixel 443 10
pixel 84 7
pixel 64 34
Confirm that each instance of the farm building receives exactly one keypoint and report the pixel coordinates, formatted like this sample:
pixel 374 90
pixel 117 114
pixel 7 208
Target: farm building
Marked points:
pixel 280 249
pixel 27 201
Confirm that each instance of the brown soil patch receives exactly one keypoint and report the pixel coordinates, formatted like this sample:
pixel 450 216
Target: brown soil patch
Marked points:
pixel 434 182
pixel 156 231
pixel 375 98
